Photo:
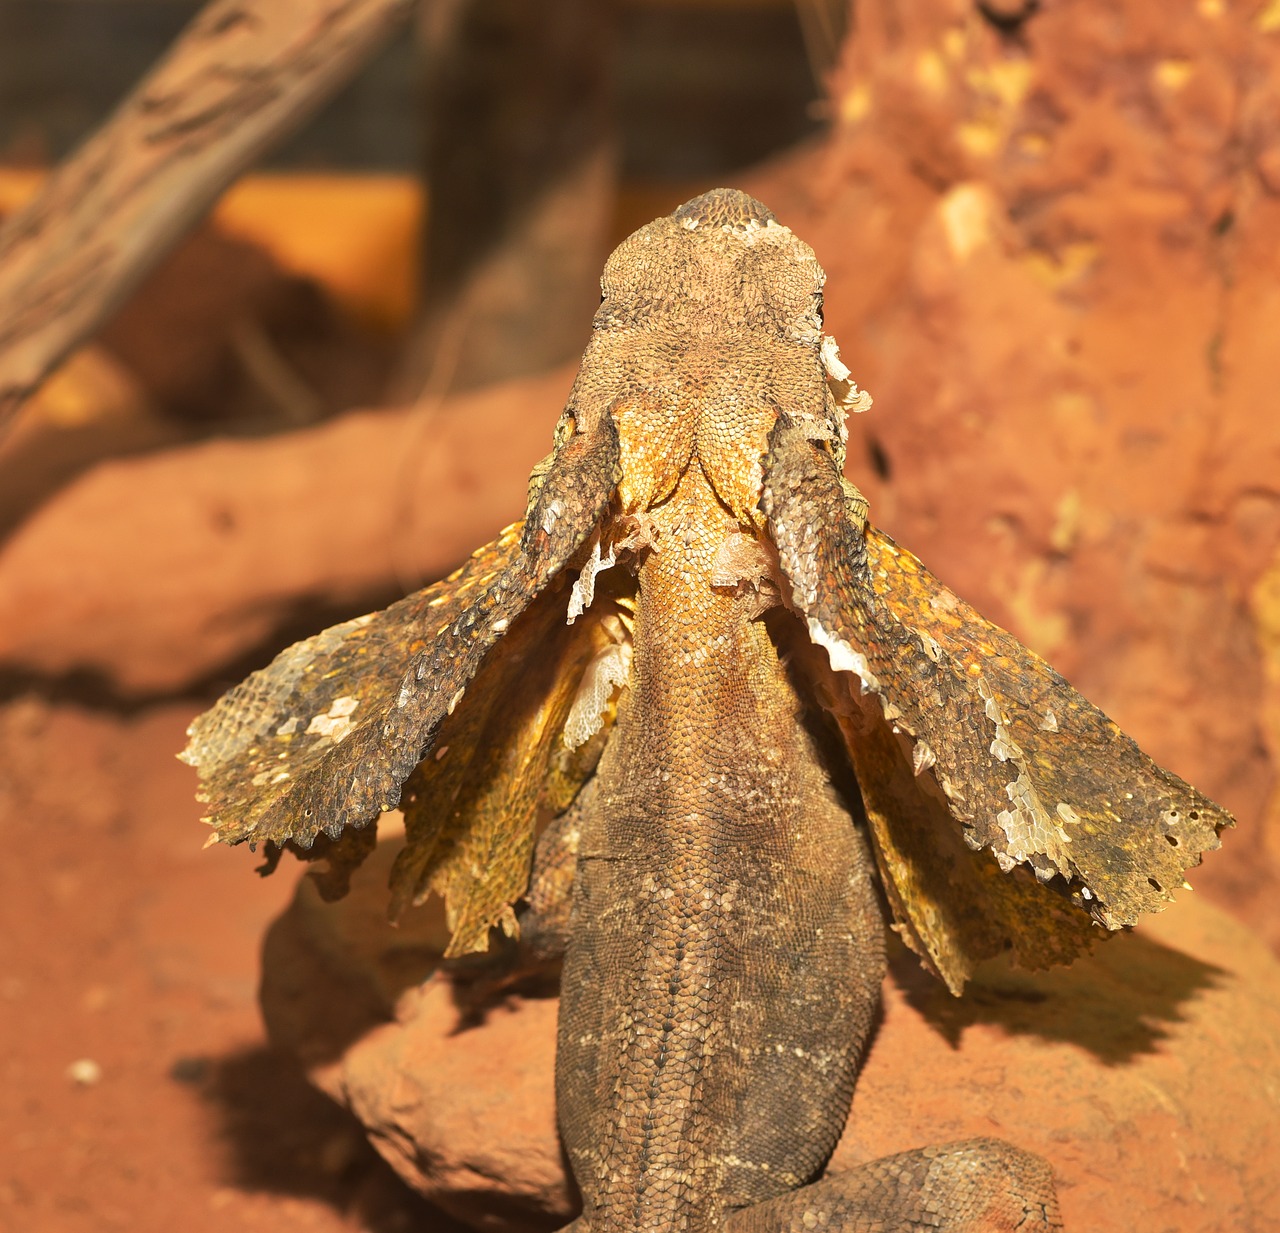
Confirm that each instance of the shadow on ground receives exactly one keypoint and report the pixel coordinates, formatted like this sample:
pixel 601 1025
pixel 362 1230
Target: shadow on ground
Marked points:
pixel 1117 1003
pixel 284 1137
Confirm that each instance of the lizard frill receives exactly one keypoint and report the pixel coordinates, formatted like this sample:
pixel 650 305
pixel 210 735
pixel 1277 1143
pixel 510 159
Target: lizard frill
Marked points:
pixel 956 730
pixel 469 678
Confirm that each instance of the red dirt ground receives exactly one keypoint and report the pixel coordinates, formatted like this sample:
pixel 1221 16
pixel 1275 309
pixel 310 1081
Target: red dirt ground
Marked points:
pixel 127 946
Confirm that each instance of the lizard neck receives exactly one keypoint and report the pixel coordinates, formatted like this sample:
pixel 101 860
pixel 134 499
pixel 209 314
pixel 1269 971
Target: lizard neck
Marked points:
pixel 708 688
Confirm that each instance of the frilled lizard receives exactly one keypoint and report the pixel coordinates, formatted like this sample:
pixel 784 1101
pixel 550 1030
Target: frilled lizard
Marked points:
pixel 745 723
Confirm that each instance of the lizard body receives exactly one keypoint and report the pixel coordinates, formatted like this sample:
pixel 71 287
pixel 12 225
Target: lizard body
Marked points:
pixel 760 714
pixel 726 943
pixel 726 947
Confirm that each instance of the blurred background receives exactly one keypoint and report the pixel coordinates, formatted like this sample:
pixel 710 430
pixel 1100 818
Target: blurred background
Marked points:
pixel 293 384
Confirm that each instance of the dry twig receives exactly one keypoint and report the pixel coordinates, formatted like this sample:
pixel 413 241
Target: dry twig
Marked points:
pixel 242 75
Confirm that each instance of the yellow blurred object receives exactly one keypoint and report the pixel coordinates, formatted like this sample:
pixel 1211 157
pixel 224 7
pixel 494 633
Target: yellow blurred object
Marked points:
pixel 17 188
pixel 931 72
pixel 355 235
pixel 855 104
pixel 1057 269
pixel 1172 75
pixel 89 386
pixel 967 212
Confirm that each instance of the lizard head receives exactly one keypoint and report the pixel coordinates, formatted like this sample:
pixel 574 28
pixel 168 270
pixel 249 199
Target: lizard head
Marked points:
pixel 724 207
pixel 720 262
pixel 710 325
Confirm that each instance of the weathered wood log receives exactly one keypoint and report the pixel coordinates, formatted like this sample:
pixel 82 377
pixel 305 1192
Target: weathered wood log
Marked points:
pixel 147 575
pixel 243 74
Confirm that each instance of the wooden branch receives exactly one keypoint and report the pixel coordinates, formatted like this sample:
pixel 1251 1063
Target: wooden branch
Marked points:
pixel 243 74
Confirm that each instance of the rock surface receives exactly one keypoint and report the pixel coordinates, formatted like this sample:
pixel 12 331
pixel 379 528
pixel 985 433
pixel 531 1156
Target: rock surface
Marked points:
pixel 153 573
pixel 1148 1074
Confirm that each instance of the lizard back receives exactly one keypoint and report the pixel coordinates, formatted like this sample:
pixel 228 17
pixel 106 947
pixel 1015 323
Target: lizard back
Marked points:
pixel 726 941
pixel 727 945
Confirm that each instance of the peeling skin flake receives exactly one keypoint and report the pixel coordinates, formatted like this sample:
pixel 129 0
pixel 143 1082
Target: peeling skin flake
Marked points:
pixel 610 668
pixel 551 515
pixel 584 588
pixel 1031 830
pixel 843 657
pixel 922 757
pixel 836 368
pixel 741 560
pixel 336 722
pixel 840 379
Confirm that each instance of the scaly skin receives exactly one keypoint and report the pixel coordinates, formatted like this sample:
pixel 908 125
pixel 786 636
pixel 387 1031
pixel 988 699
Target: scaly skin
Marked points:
pixel 726 944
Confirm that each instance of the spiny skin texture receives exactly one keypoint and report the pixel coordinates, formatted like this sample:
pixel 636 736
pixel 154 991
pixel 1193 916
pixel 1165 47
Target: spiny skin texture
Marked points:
pixel 740 644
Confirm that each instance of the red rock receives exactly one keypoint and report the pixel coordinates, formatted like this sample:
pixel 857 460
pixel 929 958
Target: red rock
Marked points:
pixel 154 572
pixel 464 1112
pixel 1147 1074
